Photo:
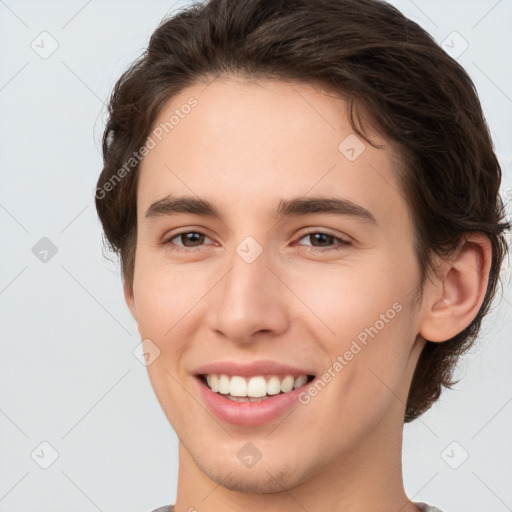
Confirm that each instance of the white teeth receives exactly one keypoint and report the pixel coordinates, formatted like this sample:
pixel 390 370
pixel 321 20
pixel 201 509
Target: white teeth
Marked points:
pixel 238 386
pixel 287 384
pixel 300 381
pixel 224 384
pixel 254 387
pixel 257 387
pixel 214 383
pixel 246 398
pixel 273 386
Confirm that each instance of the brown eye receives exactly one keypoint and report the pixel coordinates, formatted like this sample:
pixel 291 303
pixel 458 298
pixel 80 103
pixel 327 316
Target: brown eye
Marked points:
pixel 192 237
pixel 187 240
pixel 319 239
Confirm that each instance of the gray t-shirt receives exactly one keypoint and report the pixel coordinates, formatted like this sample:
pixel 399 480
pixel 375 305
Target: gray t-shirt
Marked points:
pixel 422 506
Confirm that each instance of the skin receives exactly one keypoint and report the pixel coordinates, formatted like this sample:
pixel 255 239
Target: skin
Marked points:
pixel 245 146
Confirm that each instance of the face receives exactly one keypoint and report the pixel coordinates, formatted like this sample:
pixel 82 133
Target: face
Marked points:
pixel 300 264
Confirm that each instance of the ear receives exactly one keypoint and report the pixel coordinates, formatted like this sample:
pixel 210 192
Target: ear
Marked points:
pixel 129 298
pixel 456 293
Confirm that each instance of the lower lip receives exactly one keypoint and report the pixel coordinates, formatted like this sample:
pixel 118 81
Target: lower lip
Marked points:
pixel 248 414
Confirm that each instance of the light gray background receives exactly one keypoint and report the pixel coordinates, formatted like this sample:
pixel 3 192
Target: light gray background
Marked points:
pixel 68 375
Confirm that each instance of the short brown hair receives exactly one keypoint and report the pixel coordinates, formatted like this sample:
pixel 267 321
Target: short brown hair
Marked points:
pixel 381 62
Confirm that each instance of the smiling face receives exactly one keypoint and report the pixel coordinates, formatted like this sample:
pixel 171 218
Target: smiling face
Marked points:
pixel 267 274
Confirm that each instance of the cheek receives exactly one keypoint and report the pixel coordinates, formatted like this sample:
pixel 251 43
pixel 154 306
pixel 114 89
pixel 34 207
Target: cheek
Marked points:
pixel 360 314
pixel 349 296
pixel 164 297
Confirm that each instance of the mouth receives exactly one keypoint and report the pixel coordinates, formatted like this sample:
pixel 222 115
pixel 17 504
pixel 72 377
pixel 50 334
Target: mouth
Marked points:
pixel 256 388
pixel 252 393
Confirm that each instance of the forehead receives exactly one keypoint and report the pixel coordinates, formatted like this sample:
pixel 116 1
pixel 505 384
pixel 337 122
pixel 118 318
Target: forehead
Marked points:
pixel 257 142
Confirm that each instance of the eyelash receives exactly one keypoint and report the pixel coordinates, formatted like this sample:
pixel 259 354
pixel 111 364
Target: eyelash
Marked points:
pixel 343 244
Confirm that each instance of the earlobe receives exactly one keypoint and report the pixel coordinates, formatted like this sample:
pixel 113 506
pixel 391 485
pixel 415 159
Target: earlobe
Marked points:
pixel 454 300
pixel 129 298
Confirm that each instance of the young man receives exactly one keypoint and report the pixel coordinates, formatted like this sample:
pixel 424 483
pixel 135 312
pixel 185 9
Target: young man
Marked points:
pixel 304 196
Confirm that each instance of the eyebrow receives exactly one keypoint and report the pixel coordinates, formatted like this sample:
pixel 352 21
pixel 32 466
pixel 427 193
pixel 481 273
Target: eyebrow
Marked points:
pixel 172 205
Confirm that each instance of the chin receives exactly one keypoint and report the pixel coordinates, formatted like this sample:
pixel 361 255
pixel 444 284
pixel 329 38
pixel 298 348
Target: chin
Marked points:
pixel 265 479
pixel 262 483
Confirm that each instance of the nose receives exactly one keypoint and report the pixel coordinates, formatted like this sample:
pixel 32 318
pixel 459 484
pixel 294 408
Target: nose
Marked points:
pixel 249 301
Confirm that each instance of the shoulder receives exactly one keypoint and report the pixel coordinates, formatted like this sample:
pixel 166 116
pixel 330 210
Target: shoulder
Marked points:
pixel 424 507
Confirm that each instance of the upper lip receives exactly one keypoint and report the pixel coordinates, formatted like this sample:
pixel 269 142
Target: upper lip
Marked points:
pixel 250 369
